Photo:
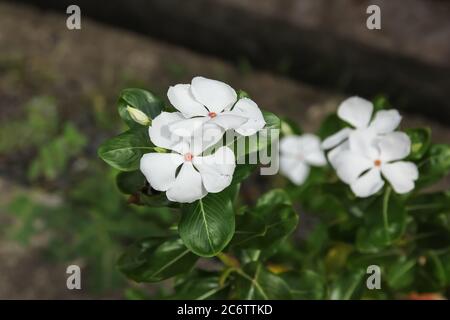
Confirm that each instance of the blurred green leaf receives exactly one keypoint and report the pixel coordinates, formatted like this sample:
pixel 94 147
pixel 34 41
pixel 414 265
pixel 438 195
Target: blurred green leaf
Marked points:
pixel 130 182
pixel 435 165
pixel 305 285
pixel 420 142
pixel 199 286
pixel 348 285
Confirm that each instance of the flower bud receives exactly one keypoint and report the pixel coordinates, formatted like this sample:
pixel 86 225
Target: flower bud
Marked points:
pixel 138 116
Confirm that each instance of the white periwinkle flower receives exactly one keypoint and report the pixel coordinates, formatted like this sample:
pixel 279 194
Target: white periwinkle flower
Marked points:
pixel 358 112
pixel 369 157
pixel 214 102
pixel 297 154
pixel 184 174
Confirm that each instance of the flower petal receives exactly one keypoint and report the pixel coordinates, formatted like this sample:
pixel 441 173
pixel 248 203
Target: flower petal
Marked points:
pixel 336 138
pixel 213 94
pixel 159 169
pixel 368 184
pixel 206 136
pixel 297 171
pixel 401 175
pixel 350 166
pixel 356 111
pixel 386 121
pixel 228 120
pixel 290 145
pixel 334 153
pixel 363 142
pixel 181 98
pixel 187 127
pixel 217 169
pixel 248 109
pixel 394 146
pixel 188 185
pixel 311 149
pixel 160 133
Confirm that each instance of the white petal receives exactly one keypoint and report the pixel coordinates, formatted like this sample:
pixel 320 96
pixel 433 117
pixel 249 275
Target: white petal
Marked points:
pixel 363 142
pixel 394 146
pixel 316 158
pixel 368 184
pixel 311 149
pixel 159 169
pixel 386 121
pixel 336 138
pixel 350 166
pixel 217 169
pixel 290 145
pixel 188 185
pixel 208 135
pixel 187 127
pixel 356 111
pixel 181 98
pixel 247 108
pixel 401 175
pixel 333 155
pixel 213 94
pixel 228 121
pixel 160 133
pixel 297 171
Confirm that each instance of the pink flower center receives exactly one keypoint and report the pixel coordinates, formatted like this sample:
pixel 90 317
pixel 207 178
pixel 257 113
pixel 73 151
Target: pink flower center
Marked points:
pixel 377 163
pixel 212 114
pixel 188 156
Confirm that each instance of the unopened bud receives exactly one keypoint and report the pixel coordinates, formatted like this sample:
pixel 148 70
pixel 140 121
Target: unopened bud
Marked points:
pixel 138 116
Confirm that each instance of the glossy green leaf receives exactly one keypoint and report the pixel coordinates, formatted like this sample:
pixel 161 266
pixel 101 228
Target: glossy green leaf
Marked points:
pixel 156 259
pixel 401 273
pixel 125 151
pixel 420 142
pixel 255 282
pixel 130 182
pixel 201 285
pixel 207 225
pixel 271 221
pixel 435 165
pixel 139 99
pixel 349 285
pixel 306 285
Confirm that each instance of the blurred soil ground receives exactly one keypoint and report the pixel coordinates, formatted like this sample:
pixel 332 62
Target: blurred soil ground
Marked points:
pixel 85 70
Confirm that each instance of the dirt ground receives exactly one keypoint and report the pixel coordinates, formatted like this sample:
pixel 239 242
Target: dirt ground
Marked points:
pixel 39 55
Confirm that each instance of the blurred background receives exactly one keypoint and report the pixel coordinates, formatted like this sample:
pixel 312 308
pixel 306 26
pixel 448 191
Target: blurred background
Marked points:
pixel 58 91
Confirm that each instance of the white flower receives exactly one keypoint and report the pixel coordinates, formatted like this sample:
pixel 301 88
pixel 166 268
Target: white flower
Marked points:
pixel 370 156
pixel 211 101
pixel 184 174
pixel 298 153
pixel 358 113
pixel 138 116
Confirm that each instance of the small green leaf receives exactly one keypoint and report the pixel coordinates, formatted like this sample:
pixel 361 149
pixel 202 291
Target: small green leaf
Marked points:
pixel 125 151
pixel 257 283
pixel 401 273
pixel 156 259
pixel 139 99
pixel 130 182
pixel 435 165
pixel 348 286
pixel 207 225
pixel 420 142
pixel 201 285
pixel 305 285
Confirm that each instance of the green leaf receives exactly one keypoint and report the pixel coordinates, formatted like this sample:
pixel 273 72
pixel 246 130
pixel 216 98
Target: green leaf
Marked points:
pixel 201 285
pixel 242 172
pixel 305 285
pixel 384 223
pixel 139 99
pixel 435 165
pixel 401 273
pixel 289 127
pixel 270 222
pixel 438 266
pixel 156 259
pixel 420 142
pixel 125 151
pixel 330 125
pixel 257 283
pixel 348 286
pixel 207 225
pixel 130 182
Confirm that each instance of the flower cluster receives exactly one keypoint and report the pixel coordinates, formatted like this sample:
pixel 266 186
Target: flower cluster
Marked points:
pixel 361 154
pixel 206 110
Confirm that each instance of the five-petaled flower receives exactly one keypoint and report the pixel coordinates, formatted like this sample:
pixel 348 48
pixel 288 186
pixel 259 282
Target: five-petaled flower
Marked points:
pixel 184 174
pixel 358 112
pixel 370 156
pixel 214 102
pixel 298 153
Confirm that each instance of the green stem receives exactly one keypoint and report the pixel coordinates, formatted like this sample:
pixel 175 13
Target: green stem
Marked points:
pixel 387 194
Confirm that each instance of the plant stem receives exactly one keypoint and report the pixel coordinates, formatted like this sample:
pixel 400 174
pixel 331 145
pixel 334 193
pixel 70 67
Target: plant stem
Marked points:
pixel 387 194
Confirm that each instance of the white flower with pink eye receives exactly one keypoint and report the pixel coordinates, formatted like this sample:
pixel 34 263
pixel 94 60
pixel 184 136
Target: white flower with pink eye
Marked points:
pixel 297 154
pixel 358 112
pixel 369 157
pixel 213 102
pixel 184 174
